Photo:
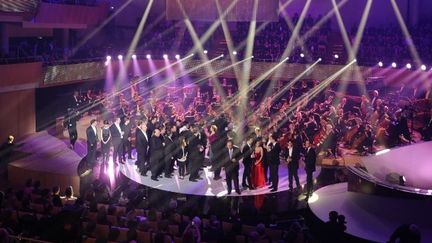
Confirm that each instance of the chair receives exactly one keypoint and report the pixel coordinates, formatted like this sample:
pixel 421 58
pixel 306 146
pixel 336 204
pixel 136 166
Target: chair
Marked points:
pixel 120 211
pixel 112 219
pixel 140 212
pixel 102 230
pixel 123 234
pixel 173 229
pixel 153 226
pixel 89 240
pixel 143 236
pixel 246 229
pixel 226 227
pixel 240 239
pixel 274 234
pixel 37 207
pixel 178 240
pixel 92 216
pixel 102 205
pixel 158 216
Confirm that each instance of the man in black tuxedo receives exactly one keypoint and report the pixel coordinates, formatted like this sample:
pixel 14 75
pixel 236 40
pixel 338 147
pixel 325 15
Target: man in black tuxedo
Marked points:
pixel 117 140
pixel 310 160
pixel 70 123
pixel 92 138
pixel 248 154
pixel 169 150
pixel 273 151
pixel 142 147
pixel 231 157
pixel 292 156
pixel 127 130
pixel 75 102
pixel 196 150
pixel 156 154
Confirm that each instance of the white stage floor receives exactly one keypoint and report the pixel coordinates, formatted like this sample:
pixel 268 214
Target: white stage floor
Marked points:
pixel 372 217
pixel 207 186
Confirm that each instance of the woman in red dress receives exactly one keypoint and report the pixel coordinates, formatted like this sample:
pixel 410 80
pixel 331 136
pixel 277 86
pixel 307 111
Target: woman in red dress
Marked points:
pixel 258 179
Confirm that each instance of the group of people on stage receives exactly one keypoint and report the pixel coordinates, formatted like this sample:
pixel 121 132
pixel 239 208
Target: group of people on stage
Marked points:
pixel 182 131
pixel 161 147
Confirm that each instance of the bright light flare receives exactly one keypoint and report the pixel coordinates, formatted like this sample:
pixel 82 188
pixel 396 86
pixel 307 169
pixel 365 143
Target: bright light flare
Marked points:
pixel 380 64
pixel 394 65
pixel 134 56
pixel 148 56
pixel 423 67
pixel 408 66
pixel 120 57
pixel 108 58
pixel 165 56
pixel 177 56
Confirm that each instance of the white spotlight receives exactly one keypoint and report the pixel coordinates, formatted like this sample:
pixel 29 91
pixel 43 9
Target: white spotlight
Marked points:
pixel 394 65
pixel 205 51
pixel 106 63
pixel 234 53
pixel 148 56
pixel 165 56
pixel 336 56
pixel 222 55
pixel 177 56
pixel 319 59
pixel 423 67
pixel 409 66
pixel 120 57
pixel 252 56
pixel 301 55
pixel 108 58
pixel 134 56
pixel 380 64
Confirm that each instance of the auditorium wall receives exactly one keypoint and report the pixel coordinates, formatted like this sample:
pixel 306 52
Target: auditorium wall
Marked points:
pixel 17 97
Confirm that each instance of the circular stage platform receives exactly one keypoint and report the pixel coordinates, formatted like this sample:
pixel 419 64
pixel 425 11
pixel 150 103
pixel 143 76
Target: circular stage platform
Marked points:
pixel 372 217
pixel 207 186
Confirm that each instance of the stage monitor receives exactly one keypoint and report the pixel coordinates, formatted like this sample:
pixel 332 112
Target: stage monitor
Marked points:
pixel 206 10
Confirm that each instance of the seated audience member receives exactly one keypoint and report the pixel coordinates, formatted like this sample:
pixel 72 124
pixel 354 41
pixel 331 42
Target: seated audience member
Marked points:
pixel 406 233
pixel 68 198
pixel 163 235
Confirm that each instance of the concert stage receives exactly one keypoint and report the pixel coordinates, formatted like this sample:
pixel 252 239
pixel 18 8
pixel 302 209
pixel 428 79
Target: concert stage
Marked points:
pixel 47 159
pixel 207 186
pixel 372 217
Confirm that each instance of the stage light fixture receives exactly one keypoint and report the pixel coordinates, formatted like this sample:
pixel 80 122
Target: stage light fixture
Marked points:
pixel 302 55
pixel 222 55
pixel 177 56
pixel 423 67
pixel 394 65
pixel 380 64
pixel 205 51
pixel 165 56
pixel 336 56
pixel 319 59
pixel 134 56
pixel 120 57
pixel 408 66
pixel 148 56
pixel 234 53
pixel 108 58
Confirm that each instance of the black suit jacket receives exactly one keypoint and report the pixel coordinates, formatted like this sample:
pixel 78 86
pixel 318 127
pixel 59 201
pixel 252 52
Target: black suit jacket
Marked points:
pixel 246 153
pixel 115 135
pixel 170 149
pixel 127 129
pixel 91 137
pixel 156 149
pixel 141 143
pixel 295 157
pixel 227 162
pixel 310 159
pixel 273 154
